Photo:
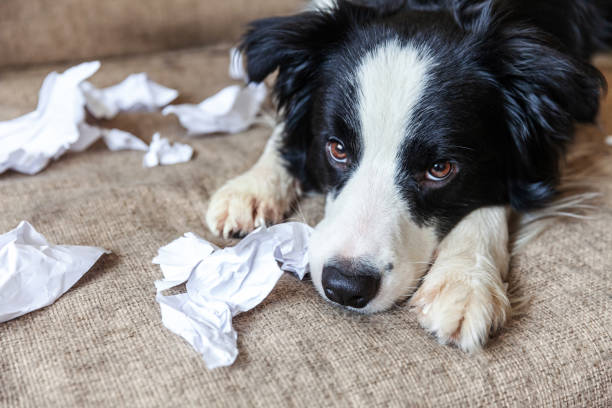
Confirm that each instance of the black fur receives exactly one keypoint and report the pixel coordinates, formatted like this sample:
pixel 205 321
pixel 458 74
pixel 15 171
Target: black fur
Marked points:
pixel 512 78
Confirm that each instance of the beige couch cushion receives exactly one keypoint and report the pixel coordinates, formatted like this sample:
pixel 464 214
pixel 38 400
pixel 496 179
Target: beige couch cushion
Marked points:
pixel 37 31
pixel 103 344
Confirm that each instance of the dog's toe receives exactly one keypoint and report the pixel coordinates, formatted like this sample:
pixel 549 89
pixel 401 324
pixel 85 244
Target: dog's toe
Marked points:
pixel 243 204
pixel 460 313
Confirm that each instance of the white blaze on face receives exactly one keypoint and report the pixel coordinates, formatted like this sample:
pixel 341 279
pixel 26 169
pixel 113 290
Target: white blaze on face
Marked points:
pixel 369 219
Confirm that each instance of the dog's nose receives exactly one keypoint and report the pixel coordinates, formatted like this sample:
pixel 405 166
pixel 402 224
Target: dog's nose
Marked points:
pixel 352 286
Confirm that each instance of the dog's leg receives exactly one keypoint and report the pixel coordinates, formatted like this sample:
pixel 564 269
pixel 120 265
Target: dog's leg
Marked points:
pixel 262 195
pixel 464 296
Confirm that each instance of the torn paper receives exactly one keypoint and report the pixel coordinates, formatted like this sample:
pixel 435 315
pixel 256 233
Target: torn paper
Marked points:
pixel 162 152
pixel 136 93
pixel 159 152
pixel 34 273
pixel 232 110
pixel 236 67
pixel 115 139
pixel 609 140
pixel 28 143
pixel 222 283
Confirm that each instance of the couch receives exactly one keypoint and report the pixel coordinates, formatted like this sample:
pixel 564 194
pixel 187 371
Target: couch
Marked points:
pixel 103 343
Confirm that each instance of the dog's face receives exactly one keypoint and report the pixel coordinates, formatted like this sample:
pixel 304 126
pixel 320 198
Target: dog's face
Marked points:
pixel 402 159
pixel 408 123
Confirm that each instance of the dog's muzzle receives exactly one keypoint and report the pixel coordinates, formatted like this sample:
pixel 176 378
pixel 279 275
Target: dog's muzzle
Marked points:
pixel 351 284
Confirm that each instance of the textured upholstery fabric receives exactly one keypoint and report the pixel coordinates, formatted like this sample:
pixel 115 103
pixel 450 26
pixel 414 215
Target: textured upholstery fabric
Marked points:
pixel 36 31
pixel 103 344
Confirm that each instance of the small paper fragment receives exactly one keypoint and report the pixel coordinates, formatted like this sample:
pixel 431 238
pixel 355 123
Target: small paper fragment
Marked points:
pixel 29 142
pixel 115 139
pixel 609 140
pixel 35 273
pixel 161 152
pixel 135 93
pixel 180 257
pixel 236 67
pixel 206 326
pixel 233 110
pixel 222 283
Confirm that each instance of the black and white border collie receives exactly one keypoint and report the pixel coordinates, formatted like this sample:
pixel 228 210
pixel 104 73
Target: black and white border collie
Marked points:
pixel 425 122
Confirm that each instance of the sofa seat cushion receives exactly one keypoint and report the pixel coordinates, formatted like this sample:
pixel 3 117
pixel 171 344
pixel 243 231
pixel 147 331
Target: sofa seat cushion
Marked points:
pixel 103 342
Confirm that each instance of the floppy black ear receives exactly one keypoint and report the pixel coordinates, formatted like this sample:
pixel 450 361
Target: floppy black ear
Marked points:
pixel 276 42
pixel 544 91
pixel 294 45
pixel 297 46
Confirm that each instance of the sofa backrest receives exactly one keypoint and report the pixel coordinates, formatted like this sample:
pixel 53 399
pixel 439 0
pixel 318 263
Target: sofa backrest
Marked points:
pixel 43 31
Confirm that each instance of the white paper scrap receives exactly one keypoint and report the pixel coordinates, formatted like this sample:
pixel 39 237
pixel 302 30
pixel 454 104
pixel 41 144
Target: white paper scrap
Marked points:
pixel 136 93
pixel 609 140
pixel 115 139
pixel 34 273
pixel 222 283
pixel 29 142
pixel 161 152
pixel 236 67
pixel 232 110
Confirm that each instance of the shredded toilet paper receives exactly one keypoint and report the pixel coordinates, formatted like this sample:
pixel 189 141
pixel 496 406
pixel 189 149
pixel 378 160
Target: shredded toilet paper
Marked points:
pixel 114 139
pixel 232 110
pixel 30 142
pixel 162 152
pixel 35 273
pixel 236 67
pixel 222 283
pixel 136 93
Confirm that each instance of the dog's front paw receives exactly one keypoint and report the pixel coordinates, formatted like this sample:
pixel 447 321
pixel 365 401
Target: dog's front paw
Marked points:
pixel 461 308
pixel 247 202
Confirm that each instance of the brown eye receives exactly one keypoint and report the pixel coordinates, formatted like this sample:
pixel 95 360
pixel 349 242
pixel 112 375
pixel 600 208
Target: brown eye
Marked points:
pixel 337 152
pixel 440 171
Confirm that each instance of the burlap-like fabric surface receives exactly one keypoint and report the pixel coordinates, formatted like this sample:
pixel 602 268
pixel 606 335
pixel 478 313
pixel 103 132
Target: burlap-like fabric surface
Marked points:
pixel 103 344
pixel 43 31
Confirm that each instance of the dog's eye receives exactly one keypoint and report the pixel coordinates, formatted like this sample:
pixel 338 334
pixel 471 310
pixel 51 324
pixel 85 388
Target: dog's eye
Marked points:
pixel 337 152
pixel 440 171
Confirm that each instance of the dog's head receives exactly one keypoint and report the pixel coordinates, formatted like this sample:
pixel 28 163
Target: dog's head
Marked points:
pixel 409 120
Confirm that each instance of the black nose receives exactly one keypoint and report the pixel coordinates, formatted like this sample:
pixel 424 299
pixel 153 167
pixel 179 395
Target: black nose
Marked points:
pixel 351 284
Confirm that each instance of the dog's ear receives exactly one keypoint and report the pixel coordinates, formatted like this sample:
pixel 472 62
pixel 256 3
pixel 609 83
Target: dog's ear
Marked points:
pixel 293 45
pixel 296 46
pixel 544 91
pixel 292 42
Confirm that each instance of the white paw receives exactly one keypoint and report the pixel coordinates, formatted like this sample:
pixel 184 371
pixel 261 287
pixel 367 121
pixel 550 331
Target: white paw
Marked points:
pixel 462 307
pixel 246 203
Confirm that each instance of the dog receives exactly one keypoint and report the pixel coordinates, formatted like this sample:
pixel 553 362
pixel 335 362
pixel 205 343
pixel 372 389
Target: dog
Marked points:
pixel 425 124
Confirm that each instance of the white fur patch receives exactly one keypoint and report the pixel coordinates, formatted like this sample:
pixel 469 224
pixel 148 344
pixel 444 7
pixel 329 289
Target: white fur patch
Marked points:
pixel 464 296
pixel 260 196
pixel 369 219
pixel 391 80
